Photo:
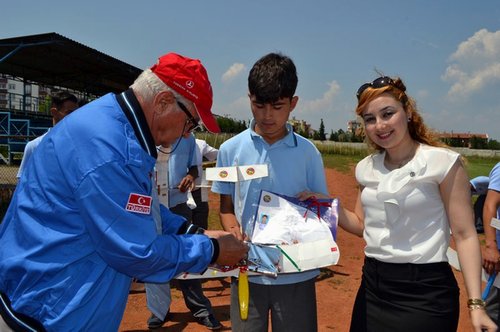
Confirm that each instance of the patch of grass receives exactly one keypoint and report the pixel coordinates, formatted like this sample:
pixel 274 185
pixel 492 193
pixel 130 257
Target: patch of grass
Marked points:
pixel 343 159
pixel 341 163
pixel 474 165
pixel 477 166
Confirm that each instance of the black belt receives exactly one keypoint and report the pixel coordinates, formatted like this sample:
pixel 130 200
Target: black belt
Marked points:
pixel 16 321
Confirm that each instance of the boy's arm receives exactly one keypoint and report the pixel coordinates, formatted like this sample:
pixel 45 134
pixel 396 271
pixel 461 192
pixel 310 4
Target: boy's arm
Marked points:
pixel 228 218
pixel 491 254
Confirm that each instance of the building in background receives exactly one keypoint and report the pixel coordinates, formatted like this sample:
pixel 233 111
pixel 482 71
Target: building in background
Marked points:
pixel 354 127
pixel 465 140
pixel 20 96
pixel 301 127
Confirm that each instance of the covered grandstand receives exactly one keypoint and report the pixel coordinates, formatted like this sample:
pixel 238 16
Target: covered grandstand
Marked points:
pixel 51 61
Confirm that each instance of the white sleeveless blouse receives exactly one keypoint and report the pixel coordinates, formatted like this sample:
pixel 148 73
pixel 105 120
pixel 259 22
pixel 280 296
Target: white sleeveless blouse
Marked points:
pixel 405 218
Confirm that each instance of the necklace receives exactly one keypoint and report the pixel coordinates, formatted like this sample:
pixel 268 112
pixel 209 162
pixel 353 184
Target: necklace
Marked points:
pixel 404 161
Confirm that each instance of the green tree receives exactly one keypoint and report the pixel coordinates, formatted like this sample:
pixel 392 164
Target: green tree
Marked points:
pixel 303 133
pixel 321 133
pixel 357 138
pixel 454 142
pixel 229 125
pixel 44 105
pixel 478 143
pixel 341 135
pixel 493 144
pixel 333 136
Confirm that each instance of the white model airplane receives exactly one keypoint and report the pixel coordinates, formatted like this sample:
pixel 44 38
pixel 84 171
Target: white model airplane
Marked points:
pixel 290 257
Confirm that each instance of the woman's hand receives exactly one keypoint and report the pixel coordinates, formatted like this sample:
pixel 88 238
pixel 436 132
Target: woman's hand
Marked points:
pixel 302 196
pixel 481 322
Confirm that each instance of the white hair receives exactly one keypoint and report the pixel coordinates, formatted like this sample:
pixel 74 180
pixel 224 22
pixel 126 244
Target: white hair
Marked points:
pixel 148 85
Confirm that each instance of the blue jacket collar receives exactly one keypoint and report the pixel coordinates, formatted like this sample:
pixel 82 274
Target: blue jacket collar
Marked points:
pixel 135 115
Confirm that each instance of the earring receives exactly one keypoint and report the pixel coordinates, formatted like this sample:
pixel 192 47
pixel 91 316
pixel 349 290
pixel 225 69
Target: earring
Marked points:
pixel 409 119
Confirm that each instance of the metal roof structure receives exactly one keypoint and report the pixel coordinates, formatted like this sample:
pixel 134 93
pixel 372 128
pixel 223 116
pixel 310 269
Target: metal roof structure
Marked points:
pixel 55 60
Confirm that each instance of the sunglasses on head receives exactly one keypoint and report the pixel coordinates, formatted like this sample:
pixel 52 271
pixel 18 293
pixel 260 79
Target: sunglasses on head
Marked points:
pixel 377 83
pixel 190 118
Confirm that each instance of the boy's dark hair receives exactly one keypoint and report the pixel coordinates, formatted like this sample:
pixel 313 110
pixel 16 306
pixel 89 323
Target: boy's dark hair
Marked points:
pixel 59 97
pixel 272 77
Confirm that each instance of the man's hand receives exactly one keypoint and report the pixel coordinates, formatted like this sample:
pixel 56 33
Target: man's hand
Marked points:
pixel 236 232
pixel 187 183
pixel 231 250
pixel 491 258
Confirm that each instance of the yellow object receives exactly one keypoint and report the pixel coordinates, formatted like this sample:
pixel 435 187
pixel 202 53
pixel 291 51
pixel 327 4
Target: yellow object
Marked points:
pixel 243 293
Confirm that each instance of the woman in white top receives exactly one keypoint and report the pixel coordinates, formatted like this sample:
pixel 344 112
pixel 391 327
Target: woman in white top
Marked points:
pixel 413 191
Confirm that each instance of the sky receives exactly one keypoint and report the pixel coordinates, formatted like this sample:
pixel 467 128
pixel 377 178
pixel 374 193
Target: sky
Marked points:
pixel 446 52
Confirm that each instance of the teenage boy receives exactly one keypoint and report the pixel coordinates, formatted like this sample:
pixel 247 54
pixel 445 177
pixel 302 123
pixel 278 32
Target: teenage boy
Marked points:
pixel 294 166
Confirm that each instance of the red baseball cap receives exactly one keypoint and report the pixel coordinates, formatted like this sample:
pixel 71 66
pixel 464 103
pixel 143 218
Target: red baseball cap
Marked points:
pixel 189 78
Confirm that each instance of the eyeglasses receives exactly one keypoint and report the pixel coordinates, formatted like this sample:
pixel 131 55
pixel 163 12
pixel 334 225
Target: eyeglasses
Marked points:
pixel 190 118
pixel 377 83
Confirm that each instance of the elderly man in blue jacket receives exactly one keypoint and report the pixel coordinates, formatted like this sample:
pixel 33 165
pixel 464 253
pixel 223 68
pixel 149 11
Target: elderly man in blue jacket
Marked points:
pixel 80 224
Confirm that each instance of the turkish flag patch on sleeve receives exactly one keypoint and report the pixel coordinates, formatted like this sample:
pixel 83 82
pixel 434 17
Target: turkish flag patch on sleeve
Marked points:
pixel 139 203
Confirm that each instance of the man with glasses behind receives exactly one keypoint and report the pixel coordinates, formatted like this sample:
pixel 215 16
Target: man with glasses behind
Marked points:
pixel 173 189
pixel 80 224
pixel 62 104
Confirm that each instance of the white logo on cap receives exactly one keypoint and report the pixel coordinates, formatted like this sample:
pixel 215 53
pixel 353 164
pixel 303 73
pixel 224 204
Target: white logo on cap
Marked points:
pixel 190 84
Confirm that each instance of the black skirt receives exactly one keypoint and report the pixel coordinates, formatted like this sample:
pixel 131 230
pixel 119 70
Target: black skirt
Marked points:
pixel 406 297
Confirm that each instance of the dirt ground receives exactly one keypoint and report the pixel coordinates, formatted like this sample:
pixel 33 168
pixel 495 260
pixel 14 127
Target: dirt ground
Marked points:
pixel 336 287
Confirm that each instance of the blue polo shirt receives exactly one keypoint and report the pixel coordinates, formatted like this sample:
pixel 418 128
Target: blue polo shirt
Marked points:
pixel 181 159
pixel 494 184
pixel 294 165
